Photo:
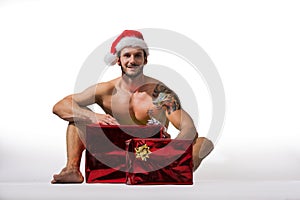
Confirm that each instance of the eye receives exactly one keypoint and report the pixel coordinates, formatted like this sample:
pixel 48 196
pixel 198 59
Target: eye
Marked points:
pixel 139 55
pixel 126 55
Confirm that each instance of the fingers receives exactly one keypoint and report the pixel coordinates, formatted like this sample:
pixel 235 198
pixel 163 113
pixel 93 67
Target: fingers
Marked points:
pixel 108 120
pixel 113 121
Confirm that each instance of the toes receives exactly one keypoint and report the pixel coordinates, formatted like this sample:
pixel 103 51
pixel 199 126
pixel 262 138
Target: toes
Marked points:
pixel 68 177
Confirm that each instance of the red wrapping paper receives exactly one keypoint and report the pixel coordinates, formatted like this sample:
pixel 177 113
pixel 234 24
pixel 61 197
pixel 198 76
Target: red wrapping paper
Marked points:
pixel 161 161
pixel 105 150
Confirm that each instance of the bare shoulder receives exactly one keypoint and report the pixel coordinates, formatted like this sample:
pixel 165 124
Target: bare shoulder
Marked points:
pixel 165 97
pixel 160 87
pixel 150 80
pixel 104 88
pixel 156 87
pixel 150 84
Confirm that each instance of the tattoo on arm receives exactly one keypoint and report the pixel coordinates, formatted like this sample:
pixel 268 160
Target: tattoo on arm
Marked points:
pixel 164 97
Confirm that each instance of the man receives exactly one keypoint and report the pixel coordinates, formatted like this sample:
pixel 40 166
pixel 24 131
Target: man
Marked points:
pixel 133 98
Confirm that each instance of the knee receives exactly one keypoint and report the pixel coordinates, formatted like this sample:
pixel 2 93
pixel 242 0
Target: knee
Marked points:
pixel 206 146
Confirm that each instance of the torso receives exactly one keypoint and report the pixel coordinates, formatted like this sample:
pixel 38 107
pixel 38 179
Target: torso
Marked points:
pixel 132 107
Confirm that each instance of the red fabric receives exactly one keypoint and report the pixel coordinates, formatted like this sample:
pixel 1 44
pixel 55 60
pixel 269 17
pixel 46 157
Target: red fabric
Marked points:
pixel 170 162
pixel 126 33
pixel 105 150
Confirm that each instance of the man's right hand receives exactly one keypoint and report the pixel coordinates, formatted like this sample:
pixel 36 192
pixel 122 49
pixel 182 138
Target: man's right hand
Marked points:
pixel 104 119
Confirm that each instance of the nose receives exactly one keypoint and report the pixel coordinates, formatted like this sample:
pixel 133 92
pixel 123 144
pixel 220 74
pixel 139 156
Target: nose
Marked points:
pixel 132 59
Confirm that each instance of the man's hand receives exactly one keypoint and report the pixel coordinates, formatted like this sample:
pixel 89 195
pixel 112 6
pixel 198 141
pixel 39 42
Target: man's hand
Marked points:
pixel 104 119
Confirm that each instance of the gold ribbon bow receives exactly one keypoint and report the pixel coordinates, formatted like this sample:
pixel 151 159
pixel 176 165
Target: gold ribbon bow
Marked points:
pixel 142 152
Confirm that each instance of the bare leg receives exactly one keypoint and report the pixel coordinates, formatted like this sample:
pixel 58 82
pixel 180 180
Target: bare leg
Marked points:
pixel 201 149
pixel 75 147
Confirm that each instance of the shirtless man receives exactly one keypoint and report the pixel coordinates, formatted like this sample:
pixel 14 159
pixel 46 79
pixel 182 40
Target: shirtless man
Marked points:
pixel 133 98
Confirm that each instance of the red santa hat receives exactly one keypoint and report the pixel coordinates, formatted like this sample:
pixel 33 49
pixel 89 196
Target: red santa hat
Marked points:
pixel 129 38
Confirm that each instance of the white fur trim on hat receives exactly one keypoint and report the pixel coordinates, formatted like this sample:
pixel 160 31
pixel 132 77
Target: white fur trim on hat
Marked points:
pixel 110 59
pixel 132 42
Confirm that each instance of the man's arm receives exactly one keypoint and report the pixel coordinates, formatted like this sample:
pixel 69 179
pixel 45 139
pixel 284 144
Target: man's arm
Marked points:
pixel 167 99
pixel 73 107
pixel 184 123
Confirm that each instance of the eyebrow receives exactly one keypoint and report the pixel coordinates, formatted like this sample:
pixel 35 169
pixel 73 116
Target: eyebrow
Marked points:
pixel 136 53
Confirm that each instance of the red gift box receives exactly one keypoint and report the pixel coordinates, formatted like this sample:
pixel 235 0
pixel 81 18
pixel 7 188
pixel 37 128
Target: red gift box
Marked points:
pixel 105 150
pixel 159 161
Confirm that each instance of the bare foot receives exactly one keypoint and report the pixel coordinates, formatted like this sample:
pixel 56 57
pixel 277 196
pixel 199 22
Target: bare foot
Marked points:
pixel 201 149
pixel 68 176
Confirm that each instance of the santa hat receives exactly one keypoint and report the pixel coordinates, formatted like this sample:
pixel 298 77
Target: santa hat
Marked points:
pixel 129 38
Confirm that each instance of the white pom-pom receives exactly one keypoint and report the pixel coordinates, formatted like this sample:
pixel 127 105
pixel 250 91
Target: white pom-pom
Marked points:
pixel 110 59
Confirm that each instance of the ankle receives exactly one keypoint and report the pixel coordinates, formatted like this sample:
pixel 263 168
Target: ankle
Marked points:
pixel 71 167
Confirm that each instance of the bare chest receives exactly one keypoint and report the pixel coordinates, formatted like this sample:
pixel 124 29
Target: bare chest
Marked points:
pixel 130 108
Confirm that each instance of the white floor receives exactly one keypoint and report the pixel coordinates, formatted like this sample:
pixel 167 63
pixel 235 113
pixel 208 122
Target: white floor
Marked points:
pixel 239 190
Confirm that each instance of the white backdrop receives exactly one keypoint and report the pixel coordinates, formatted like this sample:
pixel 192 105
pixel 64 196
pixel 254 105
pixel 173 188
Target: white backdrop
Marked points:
pixel 255 46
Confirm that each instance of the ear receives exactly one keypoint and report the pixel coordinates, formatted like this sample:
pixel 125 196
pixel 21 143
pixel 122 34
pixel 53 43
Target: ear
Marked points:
pixel 145 61
pixel 119 61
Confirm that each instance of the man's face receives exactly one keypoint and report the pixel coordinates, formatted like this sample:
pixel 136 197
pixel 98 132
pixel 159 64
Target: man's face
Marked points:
pixel 132 61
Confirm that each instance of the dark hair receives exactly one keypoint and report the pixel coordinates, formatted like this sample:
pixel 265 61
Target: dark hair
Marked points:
pixel 119 54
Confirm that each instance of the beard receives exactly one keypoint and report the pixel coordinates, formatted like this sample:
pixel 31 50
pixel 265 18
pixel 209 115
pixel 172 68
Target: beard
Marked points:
pixel 132 74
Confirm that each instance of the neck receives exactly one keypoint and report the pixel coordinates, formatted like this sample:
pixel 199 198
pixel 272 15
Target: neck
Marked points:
pixel 131 84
